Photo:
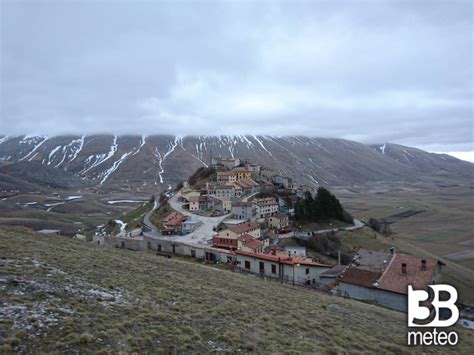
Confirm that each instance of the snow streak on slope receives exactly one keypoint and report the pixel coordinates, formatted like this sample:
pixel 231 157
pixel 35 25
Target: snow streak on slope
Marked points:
pixel 106 174
pixel 231 142
pixel 161 158
pixel 200 152
pixel 249 144
pixel 52 154
pixel 142 143
pixel 4 139
pixel 382 148
pixel 114 167
pixel 101 158
pixel 261 144
pixel 76 152
pixel 313 180
pixel 27 140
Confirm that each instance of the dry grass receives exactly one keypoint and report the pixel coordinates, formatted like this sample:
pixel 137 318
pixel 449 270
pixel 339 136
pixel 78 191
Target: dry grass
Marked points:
pixel 62 295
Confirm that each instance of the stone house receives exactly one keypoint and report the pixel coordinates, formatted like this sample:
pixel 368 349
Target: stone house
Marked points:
pixel 289 269
pixel 225 177
pixel 387 284
pixel 189 226
pixel 244 211
pixel 198 203
pixel 266 207
pixel 229 238
pixel 283 181
pixel 172 224
pixel 278 221
pixel 224 191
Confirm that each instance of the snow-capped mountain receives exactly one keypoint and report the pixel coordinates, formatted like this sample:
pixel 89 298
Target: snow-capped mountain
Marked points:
pixel 131 162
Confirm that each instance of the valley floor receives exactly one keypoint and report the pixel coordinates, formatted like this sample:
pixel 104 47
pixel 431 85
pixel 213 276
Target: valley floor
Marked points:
pixel 445 228
pixel 62 295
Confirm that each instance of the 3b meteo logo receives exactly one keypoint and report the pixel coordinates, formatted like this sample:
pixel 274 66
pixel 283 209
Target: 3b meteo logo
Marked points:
pixel 425 311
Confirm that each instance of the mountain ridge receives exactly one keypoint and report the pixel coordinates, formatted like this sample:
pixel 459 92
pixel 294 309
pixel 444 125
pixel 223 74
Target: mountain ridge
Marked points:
pixel 151 161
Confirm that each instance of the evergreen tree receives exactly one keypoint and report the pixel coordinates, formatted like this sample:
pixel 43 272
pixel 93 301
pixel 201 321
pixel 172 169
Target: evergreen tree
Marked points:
pixel 325 206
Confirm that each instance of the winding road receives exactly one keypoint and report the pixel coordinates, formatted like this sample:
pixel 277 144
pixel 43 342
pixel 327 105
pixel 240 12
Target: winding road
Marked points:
pixel 146 220
pixel 204 232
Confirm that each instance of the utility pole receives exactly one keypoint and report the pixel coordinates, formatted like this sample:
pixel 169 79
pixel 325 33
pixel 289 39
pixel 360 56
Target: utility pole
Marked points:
pixel 338 257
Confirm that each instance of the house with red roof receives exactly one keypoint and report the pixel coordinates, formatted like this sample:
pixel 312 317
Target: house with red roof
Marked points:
pixel 229 238
pixel 383 278
pixel 172 224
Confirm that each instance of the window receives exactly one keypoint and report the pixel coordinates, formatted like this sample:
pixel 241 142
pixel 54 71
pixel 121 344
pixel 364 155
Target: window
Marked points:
pixel 307 270
pixel 274 269
pixel 193 253
pixel 159 247
pixel 122 244
pixel 262 266
pixel 148 245
pixel 247 265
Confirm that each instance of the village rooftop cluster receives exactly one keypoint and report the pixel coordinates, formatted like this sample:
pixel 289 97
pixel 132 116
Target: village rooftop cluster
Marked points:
pixel 227 220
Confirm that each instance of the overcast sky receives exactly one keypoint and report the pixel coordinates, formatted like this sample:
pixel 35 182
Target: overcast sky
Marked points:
pixel 371 71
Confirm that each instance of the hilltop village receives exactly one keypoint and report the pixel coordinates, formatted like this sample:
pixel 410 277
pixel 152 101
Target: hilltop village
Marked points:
pixel 241 214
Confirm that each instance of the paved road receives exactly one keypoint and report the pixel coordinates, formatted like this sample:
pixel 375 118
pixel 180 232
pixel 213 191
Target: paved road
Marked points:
pixel 357 224
pixel 146 220
pixel 203 233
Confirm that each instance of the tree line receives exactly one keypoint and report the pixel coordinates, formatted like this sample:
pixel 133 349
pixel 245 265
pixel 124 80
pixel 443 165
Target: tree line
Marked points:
pixel 322 207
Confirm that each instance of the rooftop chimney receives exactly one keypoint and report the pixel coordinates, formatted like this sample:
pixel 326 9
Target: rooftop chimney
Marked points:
pixel 404 268
pixel 423 264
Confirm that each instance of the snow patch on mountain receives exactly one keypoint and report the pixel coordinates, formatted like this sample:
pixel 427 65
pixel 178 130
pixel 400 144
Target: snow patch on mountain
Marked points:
pixel 37 145
pixel 261 144
pixel 114 167
pixel 101 158
pixel 142 143
pixel 76 151
pixel 53 152
pixel 161 158
pixel 4 139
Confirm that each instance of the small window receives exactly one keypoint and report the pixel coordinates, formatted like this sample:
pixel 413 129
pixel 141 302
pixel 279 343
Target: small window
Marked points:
pixel 247 265
pixel 159 247
pixel 274 269
pixel 262 266
pixel 122 244
pixel 307 270
pixel 193 253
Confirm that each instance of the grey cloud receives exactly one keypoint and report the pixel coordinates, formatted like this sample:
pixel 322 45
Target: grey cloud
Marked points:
pixel 375 72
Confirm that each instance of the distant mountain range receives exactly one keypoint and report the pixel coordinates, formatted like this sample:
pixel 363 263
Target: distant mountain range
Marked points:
pixel 150 162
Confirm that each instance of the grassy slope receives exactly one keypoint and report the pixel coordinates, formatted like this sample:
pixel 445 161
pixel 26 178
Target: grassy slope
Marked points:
pixel 119 300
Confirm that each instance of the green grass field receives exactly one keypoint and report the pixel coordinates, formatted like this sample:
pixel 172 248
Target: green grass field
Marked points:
pixel 62 295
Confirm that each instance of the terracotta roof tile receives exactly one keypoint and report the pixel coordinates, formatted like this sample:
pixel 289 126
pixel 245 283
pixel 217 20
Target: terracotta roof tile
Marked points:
pixel 243 228
pixel 359 277
pixel 254 244
pixel 394 280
